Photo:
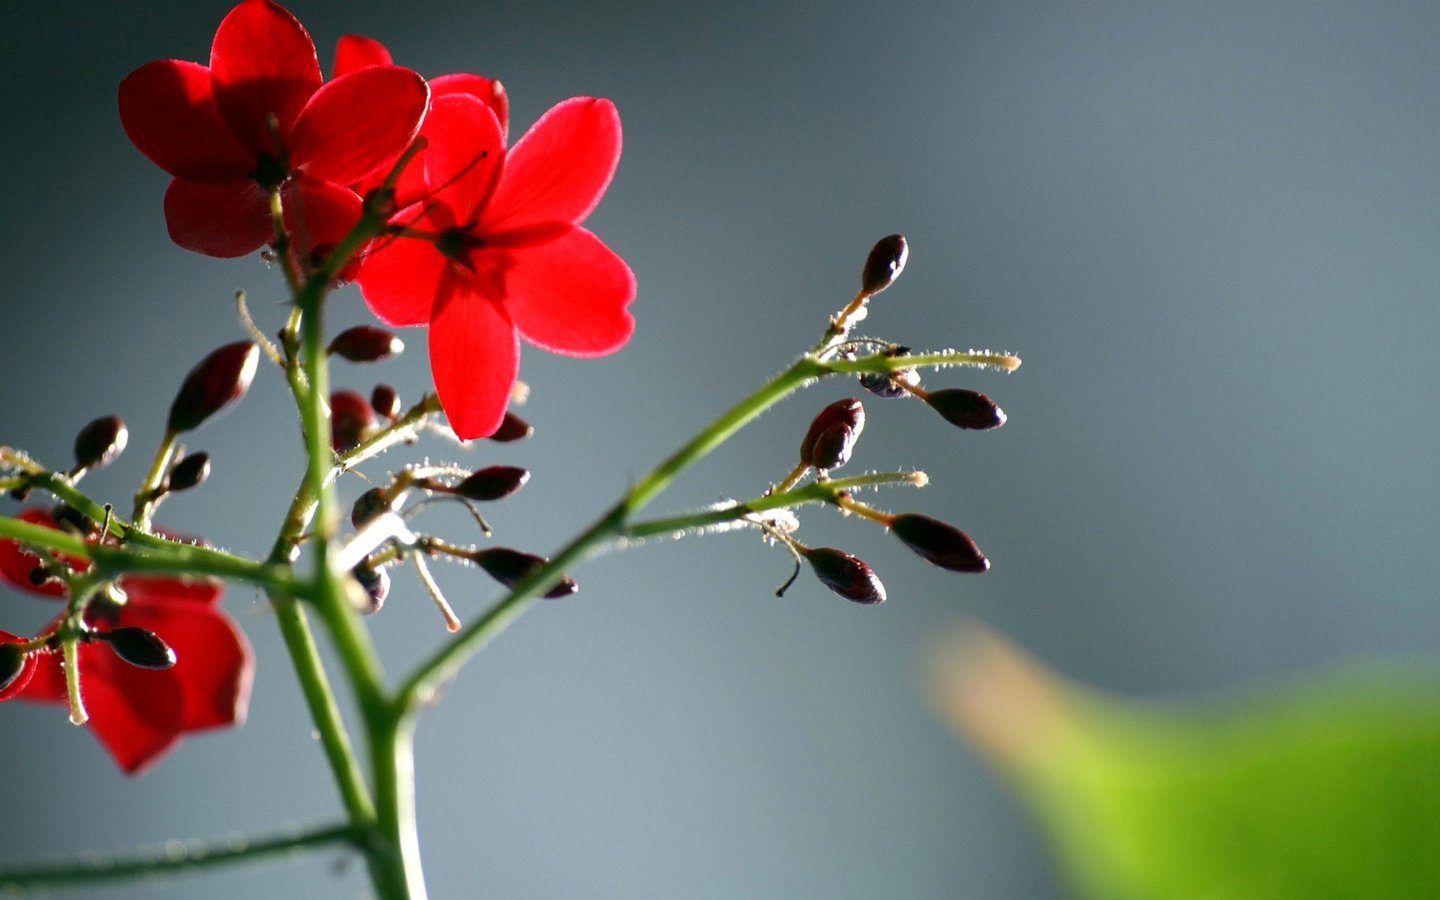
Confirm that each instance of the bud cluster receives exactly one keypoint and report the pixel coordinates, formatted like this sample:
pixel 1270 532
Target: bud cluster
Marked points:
pixel 830 442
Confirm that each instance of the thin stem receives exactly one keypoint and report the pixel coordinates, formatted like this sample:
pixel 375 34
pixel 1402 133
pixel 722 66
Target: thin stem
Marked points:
pixel 324 711
pixel 829 491
pixel 149 489
pixel 442 665
pixel 70 648
pixel 173 858
pixel 151 553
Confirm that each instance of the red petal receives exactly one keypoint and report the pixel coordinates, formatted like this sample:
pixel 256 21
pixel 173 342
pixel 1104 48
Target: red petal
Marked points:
pixel 213 663
pixel 200 591
pixel 136 713
pixel 318 215
pixel 16 564
pixel 263 64
pixel 486 90
pixel 400 280
pixel 559 169
pixel 569 295
pixel 169 114
pixel 223 220
pixel 465 153
pixel 474 357
pixel 27 669
pixel 358 123
pixel 354 51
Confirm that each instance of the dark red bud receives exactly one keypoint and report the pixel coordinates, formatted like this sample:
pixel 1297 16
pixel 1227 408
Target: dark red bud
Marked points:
pixel 966 408
pixel 367 506
pixel 883 266
pixel 385 401
pixel 492 483
pixel 100 443
pixel 834 446
pixel 351 420
pixel 365 343
pixel 12 665
pixel 512 428
pixel 846 575
pixel 190 472
pixel 71 519
pixel 218 381
pixel 509 567
pixel 890 385
pixel 139 647
pixel 939 543
pixel 376 582
pixel 848 413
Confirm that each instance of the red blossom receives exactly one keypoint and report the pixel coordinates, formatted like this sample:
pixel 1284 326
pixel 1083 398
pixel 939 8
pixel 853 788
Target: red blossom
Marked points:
pixel 502 253
pixel 355 51
pixel 140 714
pixel 259 117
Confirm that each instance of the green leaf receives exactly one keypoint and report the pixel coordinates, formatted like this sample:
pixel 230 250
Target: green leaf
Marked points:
pixel 1327 787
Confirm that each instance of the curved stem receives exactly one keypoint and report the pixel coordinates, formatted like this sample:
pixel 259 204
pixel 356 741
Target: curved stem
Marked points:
pixel 173 858
pixel 441 666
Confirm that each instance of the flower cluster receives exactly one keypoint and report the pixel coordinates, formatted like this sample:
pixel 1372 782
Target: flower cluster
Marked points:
pixel 485 243
pixel 157 658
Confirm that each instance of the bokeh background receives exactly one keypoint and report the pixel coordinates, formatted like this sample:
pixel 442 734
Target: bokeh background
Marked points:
pixel 1209 229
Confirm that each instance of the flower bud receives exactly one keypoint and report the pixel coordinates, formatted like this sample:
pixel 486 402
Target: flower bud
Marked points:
pixel 351 420
pixel 846 575
pixel 966 408
pixel 891 385
pixel 100 443
pixel 849 415
pixel 376 582
pixel 939 543
pixel 218 381
pixel 834 446
pixel 883 266
pixel 190 472
pixel 492 483
pixel 139 647
pixel 385 401
pixel 16 666
pixel 365 343
pixel 367 506
pixel 512 428
pixel 509 567
pixel 68 518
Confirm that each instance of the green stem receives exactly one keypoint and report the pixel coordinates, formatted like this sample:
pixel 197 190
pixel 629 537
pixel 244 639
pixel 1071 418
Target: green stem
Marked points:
pixel 443 664
pixel 153 554
pixel 148 491
pixel 172 858
pixel 324 711
pixel 817 492
pixel 393 855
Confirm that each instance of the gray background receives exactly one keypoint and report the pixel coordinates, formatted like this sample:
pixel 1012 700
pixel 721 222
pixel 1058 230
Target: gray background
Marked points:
pixel 1210 230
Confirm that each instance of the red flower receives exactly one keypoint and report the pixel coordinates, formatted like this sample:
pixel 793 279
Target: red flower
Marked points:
pixel 355 51
pixel 258 117
pixel 140 714
pixel 504 252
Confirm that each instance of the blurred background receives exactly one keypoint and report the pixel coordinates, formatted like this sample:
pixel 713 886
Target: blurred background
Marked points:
pixel 1210 230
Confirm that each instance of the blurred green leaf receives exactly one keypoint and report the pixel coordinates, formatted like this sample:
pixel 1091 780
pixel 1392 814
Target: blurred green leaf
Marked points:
pixel 1329 787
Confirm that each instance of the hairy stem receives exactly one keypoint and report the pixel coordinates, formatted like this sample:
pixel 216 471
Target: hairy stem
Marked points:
pixel 172 858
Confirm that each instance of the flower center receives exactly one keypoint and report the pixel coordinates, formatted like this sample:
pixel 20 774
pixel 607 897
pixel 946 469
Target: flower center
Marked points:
pixel 456 243
pixel 270 171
